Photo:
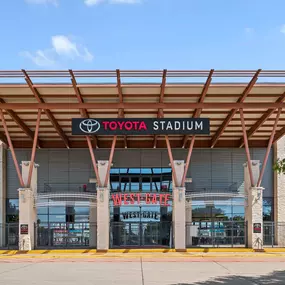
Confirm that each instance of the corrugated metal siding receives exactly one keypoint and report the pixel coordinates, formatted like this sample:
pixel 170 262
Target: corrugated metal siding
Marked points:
pixel 209 169
pixel 222 172
pixel 12 179
pixel 201 168
pixel 238 160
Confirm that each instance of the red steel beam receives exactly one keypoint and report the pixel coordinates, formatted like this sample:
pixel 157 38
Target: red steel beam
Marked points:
pixel 161 100
pixel 261 121
pixel 140 106
pixel 268 148
pixel 83 112
pixel 171 161
pixel 110 161
pixel 197 112
pixel 46 110
pixel 20 177
pixel 246 147
pixel 32 161
pixel 21 124
pixel 93 158
pixel 233 111
pixel 121 100
pixel 188 160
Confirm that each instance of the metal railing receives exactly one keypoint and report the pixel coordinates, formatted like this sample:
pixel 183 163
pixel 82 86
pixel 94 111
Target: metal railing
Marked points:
pixel 140 234
pixel 9 236
pixel 68 187
pixel 216 234
pixel 65 235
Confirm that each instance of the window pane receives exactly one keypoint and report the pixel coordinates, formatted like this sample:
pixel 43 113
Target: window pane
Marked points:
pixel 267 209
pixel 146 171
pixel 81 210
pixel 12 206
pixel 115 171
pixel 135 185
pixel 134 170
pixel 57 210
pixel 57 218
pixel 42 219
pixel 146 184
pixel 42 210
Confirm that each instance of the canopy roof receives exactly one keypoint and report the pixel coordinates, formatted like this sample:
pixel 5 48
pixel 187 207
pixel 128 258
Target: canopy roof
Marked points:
pixel 217 95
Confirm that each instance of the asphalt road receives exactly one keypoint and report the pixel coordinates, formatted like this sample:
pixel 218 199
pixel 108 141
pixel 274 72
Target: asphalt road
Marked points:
pixel 140 272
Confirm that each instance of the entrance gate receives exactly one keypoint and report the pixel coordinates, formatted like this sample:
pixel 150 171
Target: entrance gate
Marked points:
pixel 140 234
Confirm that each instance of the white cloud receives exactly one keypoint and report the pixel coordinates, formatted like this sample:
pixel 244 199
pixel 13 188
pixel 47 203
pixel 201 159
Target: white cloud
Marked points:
pixel 53 2
pixel 249 31
pixel 93 2
pixel 63 48
pixel 126 1
pixel 87 2
pixel 282 30
pixel 40 58
pixel 96 2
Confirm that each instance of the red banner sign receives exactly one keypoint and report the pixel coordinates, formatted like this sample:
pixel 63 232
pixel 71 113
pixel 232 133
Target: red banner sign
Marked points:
pixel 137 198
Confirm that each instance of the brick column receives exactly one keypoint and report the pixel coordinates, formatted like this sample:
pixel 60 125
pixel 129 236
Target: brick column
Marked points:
pixel 279 196
pixel 103 209
pixel 27 209
pixel 253 207
pixel 3 190
pixel 178 215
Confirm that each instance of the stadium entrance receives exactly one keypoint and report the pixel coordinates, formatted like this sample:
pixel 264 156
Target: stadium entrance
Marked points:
pixel 141 207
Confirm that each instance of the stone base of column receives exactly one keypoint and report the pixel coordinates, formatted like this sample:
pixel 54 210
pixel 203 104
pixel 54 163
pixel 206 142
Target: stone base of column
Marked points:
pixel 254 218
pixel 27 214
pixel 179 218
pixel 103 219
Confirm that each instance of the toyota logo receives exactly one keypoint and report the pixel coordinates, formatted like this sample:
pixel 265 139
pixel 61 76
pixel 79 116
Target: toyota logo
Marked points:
pixel 89 126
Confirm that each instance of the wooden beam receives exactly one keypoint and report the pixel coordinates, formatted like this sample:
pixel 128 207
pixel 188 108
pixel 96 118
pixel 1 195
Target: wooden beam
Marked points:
pixel 161 100
pixel 197 112
pixel 140 106
pixel 279 135
pixel 233 111
pixel 261 121
pixel 147 143
pixel 83 112
pixel 21 124
pixel 46 110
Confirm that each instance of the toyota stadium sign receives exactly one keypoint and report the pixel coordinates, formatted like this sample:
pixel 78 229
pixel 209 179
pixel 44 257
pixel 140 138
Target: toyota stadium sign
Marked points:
pixel 193 126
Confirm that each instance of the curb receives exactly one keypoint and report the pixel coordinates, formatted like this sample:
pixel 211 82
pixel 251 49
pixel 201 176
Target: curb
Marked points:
pixel 156 250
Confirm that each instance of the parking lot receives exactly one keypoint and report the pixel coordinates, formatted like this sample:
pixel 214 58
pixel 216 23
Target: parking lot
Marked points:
pixel 142 271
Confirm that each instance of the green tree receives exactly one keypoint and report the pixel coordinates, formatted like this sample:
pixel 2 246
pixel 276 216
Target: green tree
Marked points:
pixel 279 166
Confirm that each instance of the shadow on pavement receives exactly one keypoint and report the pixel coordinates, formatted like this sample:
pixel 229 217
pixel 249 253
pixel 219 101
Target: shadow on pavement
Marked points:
pixel 275 278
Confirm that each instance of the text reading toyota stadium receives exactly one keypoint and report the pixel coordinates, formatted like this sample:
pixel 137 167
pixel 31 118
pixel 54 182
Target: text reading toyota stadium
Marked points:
pixel 140 126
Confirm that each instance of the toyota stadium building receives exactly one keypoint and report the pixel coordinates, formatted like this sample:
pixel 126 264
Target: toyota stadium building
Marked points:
pixel 141 159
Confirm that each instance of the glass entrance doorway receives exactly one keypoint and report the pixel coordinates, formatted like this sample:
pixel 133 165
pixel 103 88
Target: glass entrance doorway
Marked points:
pixel 141 234
pixel 141 207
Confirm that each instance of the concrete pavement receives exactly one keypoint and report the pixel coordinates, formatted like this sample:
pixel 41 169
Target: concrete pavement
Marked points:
pixel 140 272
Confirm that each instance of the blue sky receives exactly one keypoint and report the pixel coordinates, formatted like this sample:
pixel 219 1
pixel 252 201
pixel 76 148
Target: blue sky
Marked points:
pixel 145 34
